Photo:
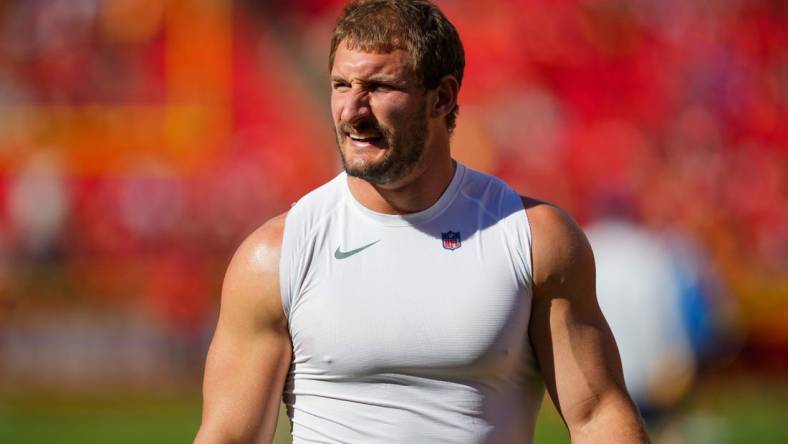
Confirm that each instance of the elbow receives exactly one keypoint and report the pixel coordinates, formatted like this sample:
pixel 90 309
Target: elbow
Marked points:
pixel 609 418
pixel 581 414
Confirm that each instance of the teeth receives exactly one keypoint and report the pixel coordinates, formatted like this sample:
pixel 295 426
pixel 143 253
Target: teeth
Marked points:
pixel 362 138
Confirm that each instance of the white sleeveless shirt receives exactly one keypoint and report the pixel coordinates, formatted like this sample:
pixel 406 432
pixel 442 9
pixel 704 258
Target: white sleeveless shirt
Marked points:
pixel 410 328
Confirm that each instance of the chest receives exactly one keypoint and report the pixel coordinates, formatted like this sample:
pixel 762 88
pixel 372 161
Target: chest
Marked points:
pixel 443 298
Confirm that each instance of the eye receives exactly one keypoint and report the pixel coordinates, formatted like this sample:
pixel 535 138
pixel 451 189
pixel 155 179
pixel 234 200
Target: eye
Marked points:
pixel 379 87
pixel 339 85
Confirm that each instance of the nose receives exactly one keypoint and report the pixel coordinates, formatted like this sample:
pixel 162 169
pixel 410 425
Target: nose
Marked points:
pixel 356 106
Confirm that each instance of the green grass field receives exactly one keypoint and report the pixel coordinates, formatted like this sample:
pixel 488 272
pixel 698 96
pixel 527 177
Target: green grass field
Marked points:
pixel 740 413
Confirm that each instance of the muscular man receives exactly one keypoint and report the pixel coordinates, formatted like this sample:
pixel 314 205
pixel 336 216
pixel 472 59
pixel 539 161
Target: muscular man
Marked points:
pixel 411 299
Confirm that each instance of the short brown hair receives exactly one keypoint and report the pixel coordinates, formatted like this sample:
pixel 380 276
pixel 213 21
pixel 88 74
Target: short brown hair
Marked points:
pixel 416 26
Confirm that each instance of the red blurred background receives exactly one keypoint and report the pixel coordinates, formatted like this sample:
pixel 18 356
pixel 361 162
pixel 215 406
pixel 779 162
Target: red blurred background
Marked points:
pixel 141 140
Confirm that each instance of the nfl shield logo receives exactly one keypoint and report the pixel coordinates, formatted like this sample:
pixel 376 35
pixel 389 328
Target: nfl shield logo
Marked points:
pixel 451 240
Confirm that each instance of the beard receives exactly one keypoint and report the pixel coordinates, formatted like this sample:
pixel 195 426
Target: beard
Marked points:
pixel 404 149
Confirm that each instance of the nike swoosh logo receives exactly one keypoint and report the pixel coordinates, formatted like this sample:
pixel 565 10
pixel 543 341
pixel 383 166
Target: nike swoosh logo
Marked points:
pixel 339 254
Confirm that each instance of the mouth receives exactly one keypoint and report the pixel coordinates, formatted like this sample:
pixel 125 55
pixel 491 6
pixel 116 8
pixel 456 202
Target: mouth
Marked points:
pixel 365 138
pixel 363 134
pixel 372 138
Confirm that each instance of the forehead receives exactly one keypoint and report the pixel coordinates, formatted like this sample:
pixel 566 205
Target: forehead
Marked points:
pixel 362 64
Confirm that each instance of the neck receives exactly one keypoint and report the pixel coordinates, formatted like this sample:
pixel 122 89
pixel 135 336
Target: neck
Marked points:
pixel 416 192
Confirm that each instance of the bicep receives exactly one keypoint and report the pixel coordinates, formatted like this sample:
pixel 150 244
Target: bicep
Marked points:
pixel 250 352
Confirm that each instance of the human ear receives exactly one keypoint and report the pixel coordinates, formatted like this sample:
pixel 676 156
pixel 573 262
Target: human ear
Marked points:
pixel 445 97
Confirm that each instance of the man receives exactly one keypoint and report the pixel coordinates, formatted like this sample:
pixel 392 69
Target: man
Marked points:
pixel 410 299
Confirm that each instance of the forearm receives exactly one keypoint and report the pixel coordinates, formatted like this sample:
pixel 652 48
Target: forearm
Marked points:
pixel 611 419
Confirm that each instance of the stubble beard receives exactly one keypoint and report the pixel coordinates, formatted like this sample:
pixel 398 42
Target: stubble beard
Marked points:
pixel 404 151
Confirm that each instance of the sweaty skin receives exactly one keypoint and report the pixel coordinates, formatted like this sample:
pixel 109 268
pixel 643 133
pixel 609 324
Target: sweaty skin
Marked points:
pixel 251 350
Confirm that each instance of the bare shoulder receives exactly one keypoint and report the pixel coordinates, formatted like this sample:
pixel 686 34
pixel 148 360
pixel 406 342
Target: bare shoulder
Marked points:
pixel 251 284
pixel 259 252
pixel 560 249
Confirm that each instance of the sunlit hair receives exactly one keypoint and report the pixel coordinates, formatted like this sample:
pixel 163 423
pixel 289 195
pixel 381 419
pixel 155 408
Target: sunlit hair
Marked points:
pixel 416 26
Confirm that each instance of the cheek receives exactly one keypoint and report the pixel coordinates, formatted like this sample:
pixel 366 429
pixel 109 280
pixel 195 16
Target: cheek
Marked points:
pixel 389 110
pixel 398 114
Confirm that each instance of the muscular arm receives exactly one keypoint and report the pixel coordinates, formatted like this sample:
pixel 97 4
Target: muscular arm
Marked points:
pixel 250 352
pixel 576 351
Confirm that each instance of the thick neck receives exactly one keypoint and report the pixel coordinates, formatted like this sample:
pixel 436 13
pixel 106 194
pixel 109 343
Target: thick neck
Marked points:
pixel 414 193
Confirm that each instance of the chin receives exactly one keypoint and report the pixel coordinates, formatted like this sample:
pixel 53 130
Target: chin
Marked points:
pixel 365 171
pixel 358 165
pixel 361 164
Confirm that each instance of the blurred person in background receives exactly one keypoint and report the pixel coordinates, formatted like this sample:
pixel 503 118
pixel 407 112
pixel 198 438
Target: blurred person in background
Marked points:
pixel 411 298
pixel 665 311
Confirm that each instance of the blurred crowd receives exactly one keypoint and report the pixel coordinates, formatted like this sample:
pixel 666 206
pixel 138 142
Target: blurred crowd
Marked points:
pixel 141 140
